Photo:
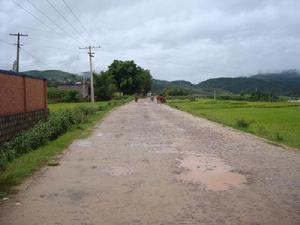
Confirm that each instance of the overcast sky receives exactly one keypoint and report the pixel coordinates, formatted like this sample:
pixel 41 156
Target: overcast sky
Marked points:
pixel 192 39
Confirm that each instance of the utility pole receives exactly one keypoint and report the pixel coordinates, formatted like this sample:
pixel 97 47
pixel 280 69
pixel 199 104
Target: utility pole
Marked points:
pixel 83 85
pixel 215 94
pixel 91 55
pixel 18 48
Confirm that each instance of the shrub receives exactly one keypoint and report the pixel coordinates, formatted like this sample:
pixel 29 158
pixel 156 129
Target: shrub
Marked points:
pixel 57 124
pixel 243 123
pixel 192 98
pixel 278 137
pixel 71 96
pixel 56 95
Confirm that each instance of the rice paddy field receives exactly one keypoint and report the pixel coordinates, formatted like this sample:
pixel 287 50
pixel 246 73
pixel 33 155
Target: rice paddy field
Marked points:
pixel 276 121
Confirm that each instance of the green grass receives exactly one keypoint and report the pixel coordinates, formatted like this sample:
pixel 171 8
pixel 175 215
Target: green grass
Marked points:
pixel 21 168
pixel 276 121
pixel 57 106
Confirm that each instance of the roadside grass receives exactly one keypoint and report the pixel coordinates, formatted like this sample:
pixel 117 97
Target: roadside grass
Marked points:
pixel 275 121
pixel 57 106
pixel 24 166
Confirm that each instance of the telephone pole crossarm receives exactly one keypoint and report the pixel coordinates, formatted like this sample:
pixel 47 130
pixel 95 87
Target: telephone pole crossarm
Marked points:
pixel 18 48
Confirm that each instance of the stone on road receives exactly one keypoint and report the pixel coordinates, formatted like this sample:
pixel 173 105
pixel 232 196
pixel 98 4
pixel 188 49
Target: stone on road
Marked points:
pixel 147 163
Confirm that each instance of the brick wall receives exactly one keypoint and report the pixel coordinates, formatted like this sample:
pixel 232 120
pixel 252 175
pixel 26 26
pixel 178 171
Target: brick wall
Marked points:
pixel 23 102
pixel 11 94
pixel 10 125
pixel 35 94
pixel 20 93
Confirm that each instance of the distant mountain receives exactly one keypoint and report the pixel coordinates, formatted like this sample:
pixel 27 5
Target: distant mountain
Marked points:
pixel 284 83
pixel 159 85
pixel 240 84
pixel 283 76
pixel 54 75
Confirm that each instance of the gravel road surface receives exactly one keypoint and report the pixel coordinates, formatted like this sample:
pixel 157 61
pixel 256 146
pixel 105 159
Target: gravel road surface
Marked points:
pixel 147 163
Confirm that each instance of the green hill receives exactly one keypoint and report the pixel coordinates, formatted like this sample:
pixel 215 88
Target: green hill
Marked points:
pixel 284 83
pixel 54 75
pixel 159 86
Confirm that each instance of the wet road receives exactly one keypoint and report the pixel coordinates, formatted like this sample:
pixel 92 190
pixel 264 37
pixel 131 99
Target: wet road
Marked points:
pixel 151 164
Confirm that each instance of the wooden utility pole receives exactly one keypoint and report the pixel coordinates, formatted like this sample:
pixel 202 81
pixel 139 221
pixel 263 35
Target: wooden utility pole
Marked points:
pixel 215 94
pixel 18 48
pixel 91 55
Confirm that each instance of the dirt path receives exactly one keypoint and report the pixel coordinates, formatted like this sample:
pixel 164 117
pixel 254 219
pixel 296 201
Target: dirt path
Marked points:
pixel 150 164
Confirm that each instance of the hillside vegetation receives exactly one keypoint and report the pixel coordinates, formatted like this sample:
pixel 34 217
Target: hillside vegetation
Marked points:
pixel 54 75
pixel 286 83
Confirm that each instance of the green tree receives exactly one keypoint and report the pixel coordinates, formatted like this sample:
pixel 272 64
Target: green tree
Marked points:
pixel 104 86
pixel 176 91
pixel 130 78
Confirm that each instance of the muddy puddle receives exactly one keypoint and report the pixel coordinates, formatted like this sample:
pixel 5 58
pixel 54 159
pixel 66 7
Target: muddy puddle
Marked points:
pixel 210 171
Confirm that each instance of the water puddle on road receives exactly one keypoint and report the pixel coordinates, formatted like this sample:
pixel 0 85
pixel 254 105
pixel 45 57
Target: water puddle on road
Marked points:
pixel 210 171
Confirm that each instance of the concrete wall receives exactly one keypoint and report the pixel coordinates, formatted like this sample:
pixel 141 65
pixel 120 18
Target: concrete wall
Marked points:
pixel 20 93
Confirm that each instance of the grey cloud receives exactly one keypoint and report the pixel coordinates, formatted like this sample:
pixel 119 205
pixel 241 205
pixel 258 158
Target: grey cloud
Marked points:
pixel 192 40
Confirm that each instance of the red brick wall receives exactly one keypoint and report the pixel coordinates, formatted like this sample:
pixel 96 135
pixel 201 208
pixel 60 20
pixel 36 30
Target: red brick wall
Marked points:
pixel 34 94
pixel 21 94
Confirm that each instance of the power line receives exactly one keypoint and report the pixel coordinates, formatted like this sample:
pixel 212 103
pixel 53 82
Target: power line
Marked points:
pixel 5 42
pixel 28 53
pixel 52 21
pixel 35 17
pixel 77 18
pixel 55 48
pixel 64 18
pixel 28 27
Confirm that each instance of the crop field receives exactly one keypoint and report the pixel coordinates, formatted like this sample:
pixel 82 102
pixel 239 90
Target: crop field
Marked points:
pixel 276 121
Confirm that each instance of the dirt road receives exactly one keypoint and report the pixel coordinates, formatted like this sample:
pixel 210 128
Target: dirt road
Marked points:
pixel 150 164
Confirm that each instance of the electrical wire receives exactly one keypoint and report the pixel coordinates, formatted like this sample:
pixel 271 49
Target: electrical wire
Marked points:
pixel 76 17
pixel 64 18
pixel 28 53
pixel 52 21
pixel 35 17
pixel 5 42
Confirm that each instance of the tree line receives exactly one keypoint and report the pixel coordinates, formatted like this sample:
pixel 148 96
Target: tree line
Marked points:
pixel 122 76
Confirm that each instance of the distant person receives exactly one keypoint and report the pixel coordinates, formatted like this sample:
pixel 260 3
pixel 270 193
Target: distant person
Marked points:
pixel 152 98
pixel 136 98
